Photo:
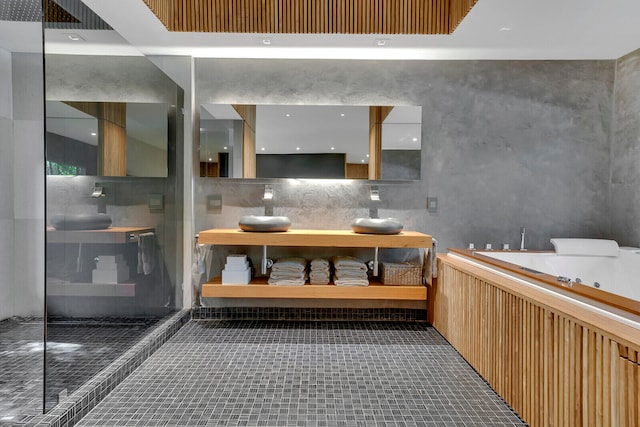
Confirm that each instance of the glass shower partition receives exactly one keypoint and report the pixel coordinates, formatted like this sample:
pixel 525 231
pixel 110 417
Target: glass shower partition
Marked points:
pixel 113 197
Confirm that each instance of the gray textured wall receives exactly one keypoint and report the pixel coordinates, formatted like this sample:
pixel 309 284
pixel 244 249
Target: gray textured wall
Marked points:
pixel 21 186
pixel 625 152
pixel 505 144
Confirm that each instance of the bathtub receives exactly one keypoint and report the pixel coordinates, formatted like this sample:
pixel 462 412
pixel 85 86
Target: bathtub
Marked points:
pixel 618 275
pixel 558 352
pixel 612 282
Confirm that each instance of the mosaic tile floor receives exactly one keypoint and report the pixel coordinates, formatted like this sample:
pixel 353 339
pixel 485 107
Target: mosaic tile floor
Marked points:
pixel 77 351
pixel 270 373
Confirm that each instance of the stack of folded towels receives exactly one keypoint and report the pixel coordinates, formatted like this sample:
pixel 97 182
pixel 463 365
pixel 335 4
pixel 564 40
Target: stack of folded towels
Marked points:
pixel 289 271
pixel 320 272
pixel 349 271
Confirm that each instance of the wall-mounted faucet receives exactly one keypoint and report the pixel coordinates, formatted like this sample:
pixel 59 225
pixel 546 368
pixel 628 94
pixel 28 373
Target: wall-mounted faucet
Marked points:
pixel 522 233
pixel 268 197
pixel 99 193
pixel 374 197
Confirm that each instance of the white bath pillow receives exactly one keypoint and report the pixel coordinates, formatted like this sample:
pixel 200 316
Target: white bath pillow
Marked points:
pixel 586 247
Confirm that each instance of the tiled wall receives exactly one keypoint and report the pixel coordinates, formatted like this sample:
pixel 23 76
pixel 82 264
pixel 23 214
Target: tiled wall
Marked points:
pixel 625 152
pixel 505 144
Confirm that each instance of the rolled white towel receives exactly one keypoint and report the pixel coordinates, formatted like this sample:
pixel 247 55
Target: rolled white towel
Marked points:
pixel 293 263
pixel 348 262
pixel 286 282
pixel 319 263
pixel 352 282
pixel 586 247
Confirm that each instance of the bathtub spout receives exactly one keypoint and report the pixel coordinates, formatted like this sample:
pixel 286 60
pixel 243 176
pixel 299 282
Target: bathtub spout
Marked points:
pixel 522 232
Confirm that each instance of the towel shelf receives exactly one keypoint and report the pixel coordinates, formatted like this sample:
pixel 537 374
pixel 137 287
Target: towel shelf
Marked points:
pixel 259 288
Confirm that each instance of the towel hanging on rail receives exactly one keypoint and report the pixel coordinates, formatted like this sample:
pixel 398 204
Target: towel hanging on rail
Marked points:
pixel 146 252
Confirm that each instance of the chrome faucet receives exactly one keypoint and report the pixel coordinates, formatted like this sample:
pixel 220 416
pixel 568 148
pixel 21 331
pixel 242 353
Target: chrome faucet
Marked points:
pixel 522 233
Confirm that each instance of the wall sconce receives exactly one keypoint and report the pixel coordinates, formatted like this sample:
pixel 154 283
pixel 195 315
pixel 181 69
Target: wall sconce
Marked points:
pixel 268 192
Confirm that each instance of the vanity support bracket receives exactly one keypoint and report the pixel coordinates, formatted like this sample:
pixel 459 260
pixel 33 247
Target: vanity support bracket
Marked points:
pixel 266 262
pixel 375 261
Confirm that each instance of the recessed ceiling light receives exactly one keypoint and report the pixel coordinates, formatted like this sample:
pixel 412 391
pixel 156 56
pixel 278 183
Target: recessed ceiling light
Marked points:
pixel 505 29
pixel 333 148
pixel 297 148
pixel 382 42
pixel 262 149
pixel 265 41
pixel 93 134
pixel 287 115
pixel 415 139
pixel 367 156
pixel 362 160
pixel 341 114
pixel 210 159
pixel 224 148
pixel 75 37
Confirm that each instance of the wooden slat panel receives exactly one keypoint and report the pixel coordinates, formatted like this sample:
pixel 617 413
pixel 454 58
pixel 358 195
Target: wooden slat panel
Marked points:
pixel 550 367
pixel 312 16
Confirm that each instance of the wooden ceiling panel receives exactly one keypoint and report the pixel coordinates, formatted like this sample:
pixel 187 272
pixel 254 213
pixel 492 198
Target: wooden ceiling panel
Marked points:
pixel 312 16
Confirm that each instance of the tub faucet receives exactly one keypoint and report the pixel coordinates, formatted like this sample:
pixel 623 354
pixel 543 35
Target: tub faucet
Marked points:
pixel 522 233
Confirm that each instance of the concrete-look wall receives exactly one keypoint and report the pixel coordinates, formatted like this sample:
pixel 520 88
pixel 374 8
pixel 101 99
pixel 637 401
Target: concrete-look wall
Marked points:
pixel 625 152
pixel 505 144
pixel 22 186
pixel 6 189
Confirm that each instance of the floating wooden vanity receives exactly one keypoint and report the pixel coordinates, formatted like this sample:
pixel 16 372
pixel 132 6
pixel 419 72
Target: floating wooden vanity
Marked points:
pixel 108 236
pixel 314 238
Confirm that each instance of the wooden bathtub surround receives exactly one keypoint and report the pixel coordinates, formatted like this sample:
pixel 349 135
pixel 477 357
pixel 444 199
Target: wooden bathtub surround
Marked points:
pixel 556 363
pixel 314 238
pixel 604 297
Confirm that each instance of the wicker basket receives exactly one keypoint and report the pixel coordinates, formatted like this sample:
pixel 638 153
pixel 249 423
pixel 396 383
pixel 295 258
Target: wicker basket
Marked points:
pixel 403 273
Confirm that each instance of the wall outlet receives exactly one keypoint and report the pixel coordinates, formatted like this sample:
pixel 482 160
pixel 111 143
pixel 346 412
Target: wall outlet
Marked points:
pixel 432 204
pixel 214 203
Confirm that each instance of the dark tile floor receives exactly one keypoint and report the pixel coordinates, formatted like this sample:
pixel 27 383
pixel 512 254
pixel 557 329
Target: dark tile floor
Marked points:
pixel 77 350
pixel 303 373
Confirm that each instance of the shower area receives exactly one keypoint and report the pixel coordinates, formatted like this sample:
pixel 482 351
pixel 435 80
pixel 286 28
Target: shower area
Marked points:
pixel 91 220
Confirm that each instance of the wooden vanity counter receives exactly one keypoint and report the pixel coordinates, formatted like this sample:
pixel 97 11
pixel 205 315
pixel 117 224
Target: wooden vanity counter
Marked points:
pixel 108 235
pixel 314 238
pixel 259 288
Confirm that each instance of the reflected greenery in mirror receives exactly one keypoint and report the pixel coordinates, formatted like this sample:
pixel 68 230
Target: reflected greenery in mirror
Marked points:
pixel 310 141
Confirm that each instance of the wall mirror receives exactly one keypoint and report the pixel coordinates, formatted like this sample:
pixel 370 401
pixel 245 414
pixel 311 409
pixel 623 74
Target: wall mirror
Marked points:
pixel 107 138
pixel 107 115
pixel 310 141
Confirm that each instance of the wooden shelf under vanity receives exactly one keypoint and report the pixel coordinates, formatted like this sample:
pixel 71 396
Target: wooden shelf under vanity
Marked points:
pixel 91 289
pixel 259 288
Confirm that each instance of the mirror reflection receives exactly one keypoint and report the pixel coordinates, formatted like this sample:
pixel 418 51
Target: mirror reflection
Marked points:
pixel 310 141
pixel 107 138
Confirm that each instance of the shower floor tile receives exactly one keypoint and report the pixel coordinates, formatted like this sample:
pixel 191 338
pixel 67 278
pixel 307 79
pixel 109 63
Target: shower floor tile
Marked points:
pixel 77 351
pixel 303 373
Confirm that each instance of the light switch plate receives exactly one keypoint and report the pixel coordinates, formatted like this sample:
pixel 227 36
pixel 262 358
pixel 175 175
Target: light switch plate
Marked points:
pixel 432 204
pixel 214 203
pixel 155 202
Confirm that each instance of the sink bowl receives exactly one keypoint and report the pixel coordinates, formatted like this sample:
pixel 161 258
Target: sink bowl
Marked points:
pixel 264 223
pixel 81 221
pixel 376 226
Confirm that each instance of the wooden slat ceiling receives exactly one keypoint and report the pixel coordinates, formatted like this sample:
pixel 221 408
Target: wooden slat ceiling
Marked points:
pixel 312 16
